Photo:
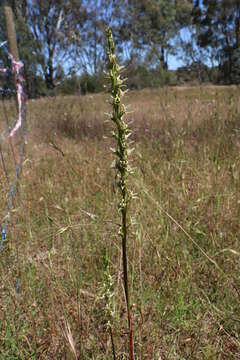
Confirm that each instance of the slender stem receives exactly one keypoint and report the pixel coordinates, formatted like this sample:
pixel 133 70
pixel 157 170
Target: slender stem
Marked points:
pixel 124 252
pixel 113 346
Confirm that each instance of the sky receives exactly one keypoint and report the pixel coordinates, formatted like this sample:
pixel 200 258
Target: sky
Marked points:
pixel 174 61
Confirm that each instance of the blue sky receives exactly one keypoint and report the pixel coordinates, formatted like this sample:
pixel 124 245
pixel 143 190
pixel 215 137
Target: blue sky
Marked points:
pixel 173 60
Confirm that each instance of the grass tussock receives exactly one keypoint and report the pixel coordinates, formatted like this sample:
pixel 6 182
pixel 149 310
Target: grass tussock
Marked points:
pixel 184 253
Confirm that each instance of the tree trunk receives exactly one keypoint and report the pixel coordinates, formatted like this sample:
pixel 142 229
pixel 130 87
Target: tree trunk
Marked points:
pixel 95 48
pixel 162 59
pixel 49 75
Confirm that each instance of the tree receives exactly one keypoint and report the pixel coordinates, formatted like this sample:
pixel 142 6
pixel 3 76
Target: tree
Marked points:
pixel 152 27
pixel 98 16
pixel 218 22
pixel 27 47
pixel 55 26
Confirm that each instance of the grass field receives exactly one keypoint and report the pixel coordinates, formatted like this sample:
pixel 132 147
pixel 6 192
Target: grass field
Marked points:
pixel 184 256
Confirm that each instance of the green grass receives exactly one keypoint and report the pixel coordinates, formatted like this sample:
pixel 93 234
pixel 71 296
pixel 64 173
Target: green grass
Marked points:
pixel 187 163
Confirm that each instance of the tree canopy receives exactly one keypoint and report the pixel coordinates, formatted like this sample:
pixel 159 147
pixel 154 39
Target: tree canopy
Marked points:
pixel 62 42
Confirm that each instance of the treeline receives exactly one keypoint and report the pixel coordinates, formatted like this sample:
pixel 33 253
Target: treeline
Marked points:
pixel 62 42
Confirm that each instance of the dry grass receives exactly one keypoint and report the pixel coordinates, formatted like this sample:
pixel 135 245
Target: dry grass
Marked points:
pixel 52 268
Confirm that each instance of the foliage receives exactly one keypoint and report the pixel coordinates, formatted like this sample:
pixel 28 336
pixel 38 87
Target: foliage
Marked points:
pixel 141 77
pixel 152 25
pixel 235 70
pixel 91 83
pixel 70 35
pixel 196 72
pixel 218 23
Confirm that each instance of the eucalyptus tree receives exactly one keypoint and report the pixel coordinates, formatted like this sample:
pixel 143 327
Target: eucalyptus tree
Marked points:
pixel 91 54
pixel 55 26
pixel 99 14
pixel 218 22
pixel 151 26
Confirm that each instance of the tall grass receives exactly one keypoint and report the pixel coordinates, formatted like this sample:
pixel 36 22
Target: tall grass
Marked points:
pixel 187 158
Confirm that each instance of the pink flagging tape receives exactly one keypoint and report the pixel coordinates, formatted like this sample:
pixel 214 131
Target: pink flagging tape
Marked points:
pixel 16 67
